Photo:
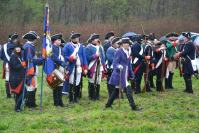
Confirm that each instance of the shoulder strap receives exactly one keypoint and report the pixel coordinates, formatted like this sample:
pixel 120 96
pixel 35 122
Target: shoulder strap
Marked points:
pixel 5 52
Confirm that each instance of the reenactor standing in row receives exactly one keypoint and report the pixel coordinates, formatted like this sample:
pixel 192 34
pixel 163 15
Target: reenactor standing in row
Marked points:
pixel 138 57
pixel 59 63
pixel 110 54
pixel 74 53
pixel 96 65
pixel 187 54
pixel 31 63
pixel 6 52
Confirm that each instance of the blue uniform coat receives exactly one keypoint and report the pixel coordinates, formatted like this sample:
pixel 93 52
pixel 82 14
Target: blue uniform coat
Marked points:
pixel 120 58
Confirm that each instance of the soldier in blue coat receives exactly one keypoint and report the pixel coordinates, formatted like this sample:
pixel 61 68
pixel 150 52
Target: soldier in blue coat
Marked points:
pixel 96 65
pixel 17 75
pixel 107 43
pixel 31 63
pixel 138 57
pixel 187 54
pixel 110 56
pixel 74 53
pixel 159 57
pixel 59 63
pixel 148 51
pixel 6 52
pixel 122 70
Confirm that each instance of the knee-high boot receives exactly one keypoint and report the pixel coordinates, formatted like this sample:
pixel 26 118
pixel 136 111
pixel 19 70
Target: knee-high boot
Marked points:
pixel 97 93
pixel 7 89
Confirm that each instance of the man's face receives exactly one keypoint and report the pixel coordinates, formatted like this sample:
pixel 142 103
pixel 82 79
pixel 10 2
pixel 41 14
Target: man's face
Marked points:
pixel 96 41
pixel 15 41
pixel 57 42
pixel 18 49
pixel 116 45
pixel 125 46
pixel 75 40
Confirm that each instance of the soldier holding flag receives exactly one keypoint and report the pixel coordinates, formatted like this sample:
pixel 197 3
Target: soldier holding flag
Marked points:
pixel 31 62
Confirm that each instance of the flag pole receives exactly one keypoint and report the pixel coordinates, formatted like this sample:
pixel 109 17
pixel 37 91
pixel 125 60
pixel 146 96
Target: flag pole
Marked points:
pixel 44 56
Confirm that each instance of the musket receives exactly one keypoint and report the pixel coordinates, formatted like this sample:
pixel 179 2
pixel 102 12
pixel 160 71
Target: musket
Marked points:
pixel 179 64
pixel 147 67
pixel 163 70
pixel 179 67
pixel 97 73
pixel 74 80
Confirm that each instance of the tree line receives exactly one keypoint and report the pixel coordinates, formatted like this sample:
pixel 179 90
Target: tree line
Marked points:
pixel 89 16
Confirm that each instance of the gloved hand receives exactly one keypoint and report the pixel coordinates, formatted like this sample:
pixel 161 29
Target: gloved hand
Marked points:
pixel 120 67
pixel 147 57
pixel 23 63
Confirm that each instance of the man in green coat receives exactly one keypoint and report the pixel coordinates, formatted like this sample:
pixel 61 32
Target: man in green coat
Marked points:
pixel 171 45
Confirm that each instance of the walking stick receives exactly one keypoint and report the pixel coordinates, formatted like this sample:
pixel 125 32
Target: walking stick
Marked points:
pixel 120 87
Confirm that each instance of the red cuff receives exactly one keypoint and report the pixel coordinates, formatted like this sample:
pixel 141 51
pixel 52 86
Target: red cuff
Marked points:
pixel 174 44
pixel 71 58
pixel 85 67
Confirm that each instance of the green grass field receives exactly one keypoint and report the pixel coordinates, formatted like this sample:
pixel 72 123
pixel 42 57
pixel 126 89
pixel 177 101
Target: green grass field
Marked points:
pixel 170 111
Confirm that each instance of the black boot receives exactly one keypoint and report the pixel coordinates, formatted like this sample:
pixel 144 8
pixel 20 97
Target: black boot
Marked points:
pixel 112 98
pixel 109 87
pixel 71 93
pixel 148 87
pixel 186 85
pixel 60 96
pixel 151 82
pixel 129 96
pixel 89 90
pixel 80 90
pixel 158 85
pixel 28 99
pixel 137 88
pixel 167 83
pixel 77 92
pixel 92 91
pixel 170 80
pixel 55 97
pixel 18 102
pixel 133 85
pixel 34 98
pixel 97 96
pixel 7 89
pixel 189 85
